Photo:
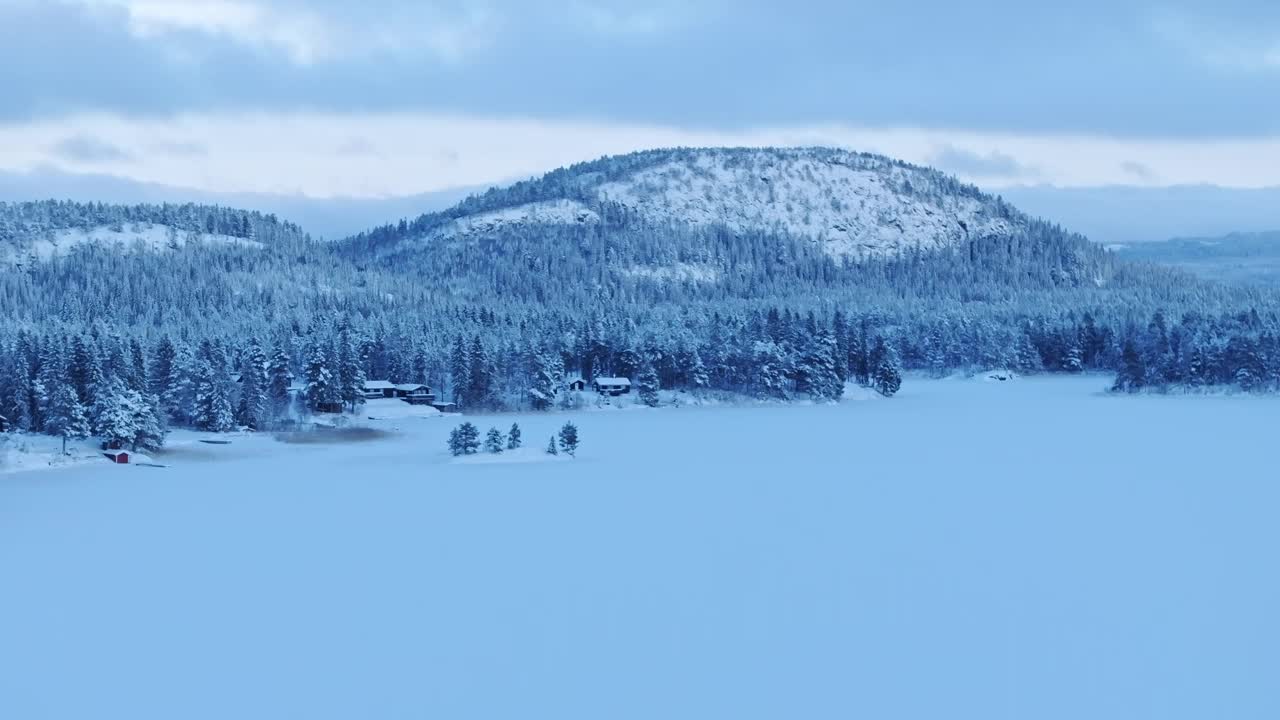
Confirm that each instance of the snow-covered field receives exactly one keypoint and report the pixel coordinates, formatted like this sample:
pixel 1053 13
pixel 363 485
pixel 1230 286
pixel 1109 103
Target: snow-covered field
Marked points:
pixel 1027 549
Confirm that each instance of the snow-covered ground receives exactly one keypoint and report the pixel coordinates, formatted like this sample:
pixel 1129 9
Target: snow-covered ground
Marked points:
pixel 968 549
pixel 147 236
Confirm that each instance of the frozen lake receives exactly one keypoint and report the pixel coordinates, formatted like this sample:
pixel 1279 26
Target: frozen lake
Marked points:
pixel 966 550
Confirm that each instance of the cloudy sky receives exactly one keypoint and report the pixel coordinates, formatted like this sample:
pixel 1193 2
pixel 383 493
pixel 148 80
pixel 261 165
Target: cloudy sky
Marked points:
pixel 393 97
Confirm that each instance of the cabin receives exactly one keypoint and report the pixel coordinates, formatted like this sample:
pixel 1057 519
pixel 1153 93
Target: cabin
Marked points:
pixel 119 457
pixel 613 386
pixel 330 408
pixel 577 385
pixel 447 408
pixel 374 389
pixel 415 394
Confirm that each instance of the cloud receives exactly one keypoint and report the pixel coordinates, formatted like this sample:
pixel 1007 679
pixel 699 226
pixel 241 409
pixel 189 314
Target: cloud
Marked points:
pixel 1223 43
pixel 993 164
pixel 314 32
pixel 1138 170
pixel 379 154
pixel 89 150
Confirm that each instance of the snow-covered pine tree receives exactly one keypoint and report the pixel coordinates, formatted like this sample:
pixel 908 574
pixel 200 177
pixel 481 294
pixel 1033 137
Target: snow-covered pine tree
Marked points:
pixel 279 380
pixel 480 392
pixel 569 439
pixel 468 438
pixel 321 391
pixel 647 385
pixel 460 371
pixel 551 446
pixel 886 375
pixel 64 415
pixel 16 393
pixel 513 437
pixel 351 373
pixel 163 370
pixel 548 379
pixel 493 441
pixel 251 411
pixel 1133 371
pixel 113 419
pixel 212 410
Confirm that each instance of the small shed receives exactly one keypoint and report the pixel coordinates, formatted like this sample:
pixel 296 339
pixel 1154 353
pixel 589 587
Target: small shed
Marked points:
pixel 612 385
pixel 119 457
pixel 577 385
pixel 447 407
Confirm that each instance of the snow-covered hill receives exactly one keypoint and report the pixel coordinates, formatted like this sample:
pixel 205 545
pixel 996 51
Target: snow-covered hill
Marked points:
pixel 145 236
pixel 853 205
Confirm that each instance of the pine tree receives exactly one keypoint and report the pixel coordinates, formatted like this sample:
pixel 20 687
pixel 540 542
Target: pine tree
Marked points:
pixel 251 411
pixel 569 439
pixel 279 380
pixel 16 394
pixel 698 378
pixel 113 419
pixel 321 391
pixel 65 416
pixel 212 405
pixel 351 377
pixel 513 437
pixel 455 442
pixel 551 447
pixel 648 385
pixel 468 438
pixel 480 393
pixel 460 371
pixel 162 367
pixel 548 379
pixel 886 377
pixel 1133 372
pixel 493 441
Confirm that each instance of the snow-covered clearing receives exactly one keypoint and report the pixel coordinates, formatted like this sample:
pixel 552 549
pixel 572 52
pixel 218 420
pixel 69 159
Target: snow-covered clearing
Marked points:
pixel 968 549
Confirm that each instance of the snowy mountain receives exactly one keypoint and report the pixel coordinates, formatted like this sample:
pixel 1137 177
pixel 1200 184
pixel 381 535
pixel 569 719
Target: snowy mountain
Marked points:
pixel 850 205
pixel 1240 258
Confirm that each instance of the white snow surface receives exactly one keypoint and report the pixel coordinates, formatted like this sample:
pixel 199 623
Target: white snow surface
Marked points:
pixel 854 206
pixel 1021 549
pixel 850 211
pixel 146 236
pixel 551 212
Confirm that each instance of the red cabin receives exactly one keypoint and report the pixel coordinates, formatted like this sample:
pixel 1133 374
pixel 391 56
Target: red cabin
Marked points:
pixel 119 457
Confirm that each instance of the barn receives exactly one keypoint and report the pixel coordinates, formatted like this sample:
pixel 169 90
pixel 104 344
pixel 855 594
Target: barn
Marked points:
pixel 119 457
pixel 612 385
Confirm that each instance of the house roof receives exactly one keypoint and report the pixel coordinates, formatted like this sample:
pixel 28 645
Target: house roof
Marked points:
pixel 379 385
pixel 410 387
pixel 613 381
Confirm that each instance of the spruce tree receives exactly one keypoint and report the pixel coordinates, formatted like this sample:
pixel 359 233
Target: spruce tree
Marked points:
pixel 569 439
pixel 493 441
pixel 551 446
pixel 279 379
pixel 212 405
pixel 513 437
pixel 886 377
pixel 648 385
pixel 252 408
pixel 64 416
